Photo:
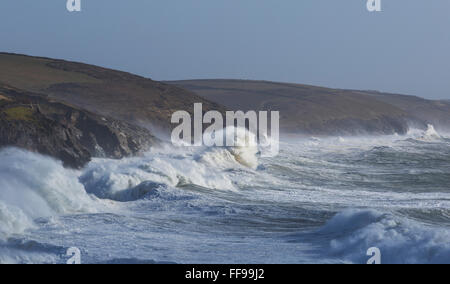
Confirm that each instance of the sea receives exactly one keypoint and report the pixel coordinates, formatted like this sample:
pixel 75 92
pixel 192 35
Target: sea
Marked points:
pixel 320 200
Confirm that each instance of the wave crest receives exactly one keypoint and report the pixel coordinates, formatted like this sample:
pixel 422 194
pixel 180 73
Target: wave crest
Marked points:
pixel 33 186
pixel 400 240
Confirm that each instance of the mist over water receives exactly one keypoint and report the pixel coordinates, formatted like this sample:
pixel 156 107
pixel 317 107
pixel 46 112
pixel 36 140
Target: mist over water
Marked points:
pixel 320 200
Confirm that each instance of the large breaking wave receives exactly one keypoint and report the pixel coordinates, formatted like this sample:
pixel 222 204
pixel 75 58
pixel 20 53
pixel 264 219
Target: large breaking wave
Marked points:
pixel 34 186
pixel 400 240
pixel 226 191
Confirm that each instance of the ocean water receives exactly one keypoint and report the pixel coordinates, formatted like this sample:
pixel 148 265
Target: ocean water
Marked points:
pixel 321 200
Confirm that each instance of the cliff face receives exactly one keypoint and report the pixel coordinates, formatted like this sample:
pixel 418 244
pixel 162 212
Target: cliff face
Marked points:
pixel 74 111
pixel 74 136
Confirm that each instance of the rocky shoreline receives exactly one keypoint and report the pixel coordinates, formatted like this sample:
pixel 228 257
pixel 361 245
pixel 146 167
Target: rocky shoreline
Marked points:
pixel 72 135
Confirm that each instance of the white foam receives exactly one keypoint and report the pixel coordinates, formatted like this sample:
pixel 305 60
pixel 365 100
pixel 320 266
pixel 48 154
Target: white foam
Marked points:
pixel 10 255
pixel 400 240
pixel 170 166
pixel 33 186
pixel 13 220
pixel 431 133
pixel 245 147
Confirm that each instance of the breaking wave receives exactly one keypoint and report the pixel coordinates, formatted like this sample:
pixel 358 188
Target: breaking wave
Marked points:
pixel 171 196
pixel 34 186
pixel 429 135
pixel 134 178
pixel 400 240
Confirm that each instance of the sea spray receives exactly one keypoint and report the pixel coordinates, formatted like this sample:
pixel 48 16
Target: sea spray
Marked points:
pixel 169 166
pixel 246 147
pixel 431 133
pixel 400 240
pixel 33 186
pixel 206 198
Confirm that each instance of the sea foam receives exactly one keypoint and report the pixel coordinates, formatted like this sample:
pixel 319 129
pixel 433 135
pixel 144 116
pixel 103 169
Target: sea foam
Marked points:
pixel 400 240
pixel 34 186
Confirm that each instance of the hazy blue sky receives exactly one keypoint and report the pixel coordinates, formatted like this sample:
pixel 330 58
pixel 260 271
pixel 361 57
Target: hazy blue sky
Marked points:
pixel 335 43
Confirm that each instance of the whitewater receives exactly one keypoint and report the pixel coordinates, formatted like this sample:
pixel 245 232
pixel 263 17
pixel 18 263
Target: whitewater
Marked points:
pixel 321 200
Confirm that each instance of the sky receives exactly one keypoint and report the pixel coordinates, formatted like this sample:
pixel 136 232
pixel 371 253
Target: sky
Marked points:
pixel 403 49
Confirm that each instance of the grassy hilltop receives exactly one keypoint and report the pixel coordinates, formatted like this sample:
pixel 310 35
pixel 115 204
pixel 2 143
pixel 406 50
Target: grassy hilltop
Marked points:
pixel 317 110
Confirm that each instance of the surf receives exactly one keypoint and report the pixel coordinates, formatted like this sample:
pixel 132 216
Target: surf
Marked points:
pixel 34 186
pixel 336 195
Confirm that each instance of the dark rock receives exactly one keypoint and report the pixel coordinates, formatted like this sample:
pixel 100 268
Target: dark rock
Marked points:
pixel 74 136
